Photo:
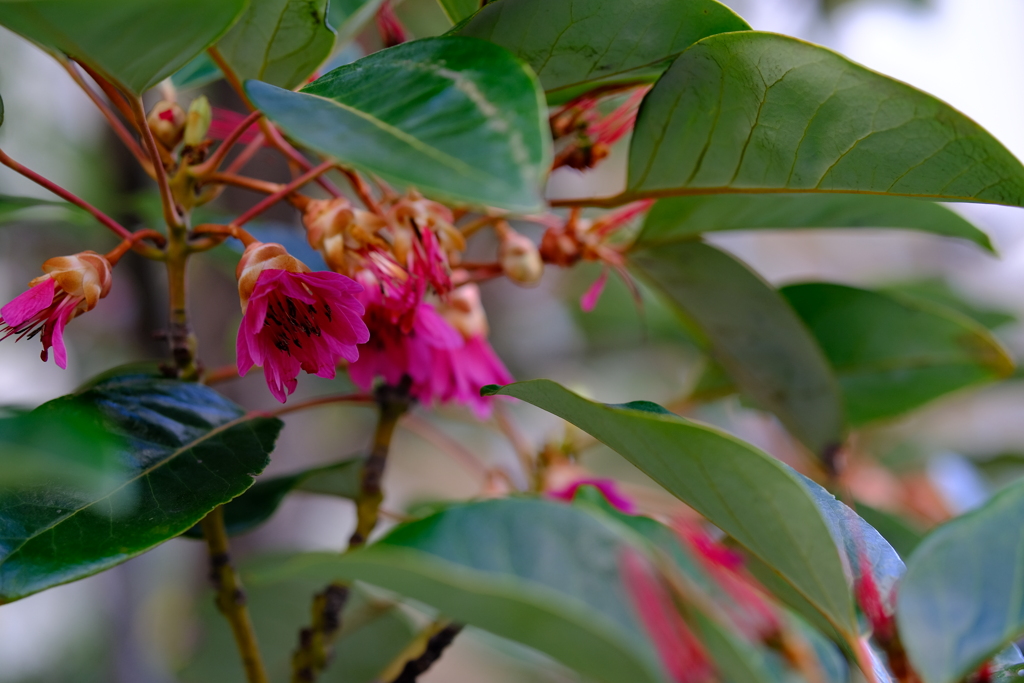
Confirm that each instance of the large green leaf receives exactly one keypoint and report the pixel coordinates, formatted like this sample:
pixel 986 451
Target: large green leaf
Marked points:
pixel 458 118
pixel 541 573
pixel 572 44
pixel 753 333
pixel 280 42
pixel 962 599
pixel 893 353
pixel 188 450
pixel 458 10
pixel 136 43
pixel 751 496
pixel 373 632
pixel 679 218
pixel 758 112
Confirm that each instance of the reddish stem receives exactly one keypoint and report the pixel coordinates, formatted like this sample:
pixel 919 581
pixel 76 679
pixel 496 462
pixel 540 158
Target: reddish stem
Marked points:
pixel 211 164
pixel 246 154
pixel 53 187
pixel 112 93
pixel 115 254
pixel 362 189
pixel 273 199
pixel 323 401
pixel 293 155
pixel 245 182
pixel 171 216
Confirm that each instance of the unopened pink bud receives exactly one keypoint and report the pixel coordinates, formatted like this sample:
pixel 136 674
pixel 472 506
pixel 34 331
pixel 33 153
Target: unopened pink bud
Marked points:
pixel 167 121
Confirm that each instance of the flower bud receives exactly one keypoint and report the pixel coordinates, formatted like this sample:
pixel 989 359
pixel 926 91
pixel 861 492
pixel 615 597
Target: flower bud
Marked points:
pixel 520 259
pixel 413 212
pixel 198 121
pixel 335 229
pixel 464 311
pixel 320 219
pixel 260 256
pixel 167 121
pixel 86 275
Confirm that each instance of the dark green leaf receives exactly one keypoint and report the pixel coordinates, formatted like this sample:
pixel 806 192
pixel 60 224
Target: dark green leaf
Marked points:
pixel 136 43
pixel 680 218
pixel 893 354
pixel 962 599
pixel 938 291
pixel 256 505
pixel 753 333
pixel 758 112
pixel 460 119
pixel 280 42
pixel 373 633
pixel 198 72
pixel 189 450
pixel 541 573
pixel 578 44
pixel 751 496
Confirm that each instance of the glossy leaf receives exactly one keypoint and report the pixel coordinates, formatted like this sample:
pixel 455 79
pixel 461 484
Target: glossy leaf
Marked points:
pixel 460 119
pixel 189 450
pixel 962 600
pixel 751 496
pixel 680 218
pixel 759 112
pixel 373 633
pixel 259 503
pixel 575 44
pixel 280 42
pixel 136 43
pixel 541 573
pixel 753 333
pixel 893 354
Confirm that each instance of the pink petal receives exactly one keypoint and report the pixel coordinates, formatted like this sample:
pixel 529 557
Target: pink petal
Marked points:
pixel 29 303
pixel 59 320
pixel 589 300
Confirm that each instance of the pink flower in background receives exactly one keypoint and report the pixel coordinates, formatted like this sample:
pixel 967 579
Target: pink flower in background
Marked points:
pixel 608 488
pixel 71 286
pixel 294 319
pixel 458 374
pixel 680 651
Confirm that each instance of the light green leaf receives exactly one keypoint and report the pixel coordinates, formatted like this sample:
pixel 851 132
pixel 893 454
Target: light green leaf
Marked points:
pixel 962 599
pixel 458 10
pixel 460 119
pixel 751 496
pixel 16 208
pixel 199 72
pixel 136 43
pixel 679 218
pixel 753 333
pixel 187 450
pixel 759 112
pixel 348 17
pixel 280 42
pixel 541 573
pixel 578 44
pixel 893 354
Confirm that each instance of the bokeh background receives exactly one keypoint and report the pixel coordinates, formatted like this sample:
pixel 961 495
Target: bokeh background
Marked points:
pixel 151 620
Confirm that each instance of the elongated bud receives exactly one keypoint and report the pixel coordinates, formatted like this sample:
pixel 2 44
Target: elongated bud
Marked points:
pixel 260 256
pixel 464 311
pixel 197 123
pixel 520 259
pixel 86 275
pixel 167 121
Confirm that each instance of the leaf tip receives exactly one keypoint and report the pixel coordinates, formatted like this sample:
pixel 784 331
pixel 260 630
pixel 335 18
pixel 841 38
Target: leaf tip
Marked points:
pixel 490 390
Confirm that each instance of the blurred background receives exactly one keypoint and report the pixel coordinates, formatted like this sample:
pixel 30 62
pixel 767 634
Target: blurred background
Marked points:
pixel 151 620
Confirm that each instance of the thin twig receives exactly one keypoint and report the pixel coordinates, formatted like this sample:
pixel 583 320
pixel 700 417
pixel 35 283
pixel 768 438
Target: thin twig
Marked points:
pixel 245 182
pixel 115 254
pixel 112 93
pixel 286 190
pixel 436 646
pixel 360 399
pixel 424 429
pixel 246 155
pixel 314 651
pixel 362 190
pixel 284 147
pixel 230 596
pixel 53 187
pixel 524 450
pixel 215 160
pixel 171 216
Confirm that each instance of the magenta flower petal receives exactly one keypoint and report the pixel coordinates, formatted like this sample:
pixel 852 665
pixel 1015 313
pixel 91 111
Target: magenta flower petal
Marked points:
pixel 30 303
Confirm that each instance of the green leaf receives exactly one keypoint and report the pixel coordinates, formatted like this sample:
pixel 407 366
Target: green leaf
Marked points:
pixel 189 450
pixel 199 72
pixel 259 503
pixel 962 599
pixel 460 119
pixel 893 354
pixel 753 333
pixel 373 632
pixel 280 42
pixel 136 43
pixel 680 218
pixel 18 208
pixel 579 44
pixel 938 291
pixel 458 10
pixel 348 17
pixel 751 496
pixel 541 573
pixel 900 533
pixel 758 112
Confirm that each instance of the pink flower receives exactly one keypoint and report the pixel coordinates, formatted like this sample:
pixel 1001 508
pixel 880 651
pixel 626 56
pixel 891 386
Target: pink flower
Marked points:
pixel 458 375
pixel 295 319
pixel 71 286
pixel 608 488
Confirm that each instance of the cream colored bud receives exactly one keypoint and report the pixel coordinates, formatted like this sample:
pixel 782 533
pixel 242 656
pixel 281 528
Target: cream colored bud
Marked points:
pixel 465 312
pixel 197 123
pixel 86 275
pixel 260 256
pixel 167 121
pixel 520 259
